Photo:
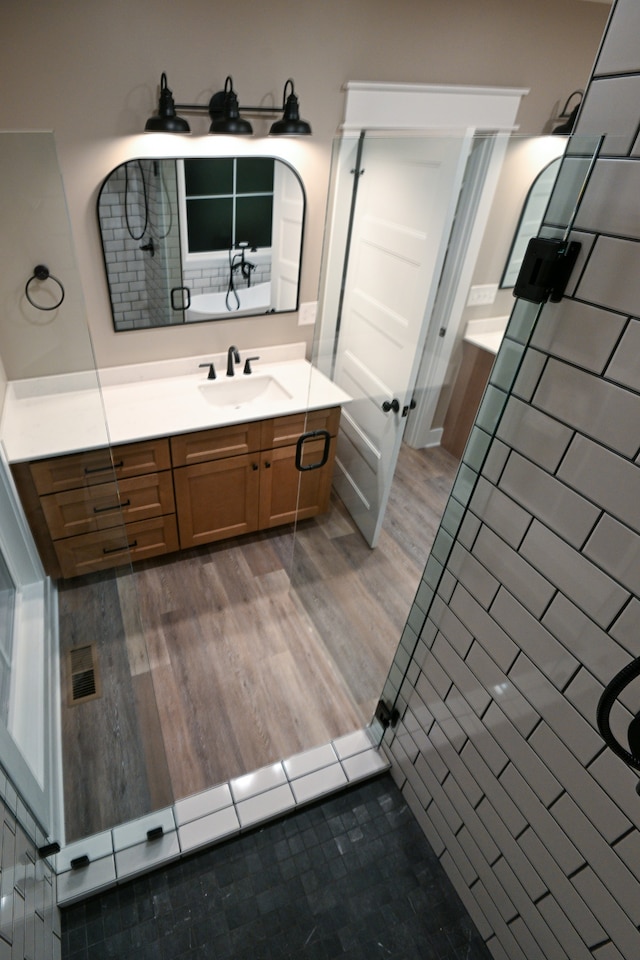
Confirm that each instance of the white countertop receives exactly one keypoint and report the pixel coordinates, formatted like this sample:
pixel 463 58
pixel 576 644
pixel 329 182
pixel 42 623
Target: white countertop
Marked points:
pixel 49 416
pixel 487 341
pixel 487 333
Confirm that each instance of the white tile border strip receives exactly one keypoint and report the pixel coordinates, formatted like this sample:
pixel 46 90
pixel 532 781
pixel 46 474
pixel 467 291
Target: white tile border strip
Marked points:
pixel 217 814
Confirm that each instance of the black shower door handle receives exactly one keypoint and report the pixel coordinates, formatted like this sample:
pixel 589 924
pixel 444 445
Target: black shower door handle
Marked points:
pixel 312 435
pixel 185 298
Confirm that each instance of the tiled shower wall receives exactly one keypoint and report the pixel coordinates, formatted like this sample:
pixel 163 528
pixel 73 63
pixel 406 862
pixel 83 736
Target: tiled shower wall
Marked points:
pixel 29 918
pixel 530 600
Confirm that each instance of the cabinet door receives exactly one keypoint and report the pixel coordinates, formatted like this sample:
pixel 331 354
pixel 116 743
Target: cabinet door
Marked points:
pixel 286 494
pixel 218 499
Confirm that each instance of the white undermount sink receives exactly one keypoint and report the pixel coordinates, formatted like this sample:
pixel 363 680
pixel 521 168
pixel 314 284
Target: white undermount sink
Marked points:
pixel 242 391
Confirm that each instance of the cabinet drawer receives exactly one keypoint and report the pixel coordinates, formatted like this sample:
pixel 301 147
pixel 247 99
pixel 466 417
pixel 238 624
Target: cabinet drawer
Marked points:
pixel 104 505
pixel 119 545
pixel 97 466
pixel 283 431
pixel 231 441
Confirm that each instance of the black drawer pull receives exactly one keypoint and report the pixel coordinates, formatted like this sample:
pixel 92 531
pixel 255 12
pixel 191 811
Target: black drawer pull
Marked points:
pixel 127 546
pixel 109 466
pixel 115 506
pixel 312 435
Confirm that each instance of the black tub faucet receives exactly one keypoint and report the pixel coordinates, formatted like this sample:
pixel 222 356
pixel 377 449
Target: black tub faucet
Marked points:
pixel 232 354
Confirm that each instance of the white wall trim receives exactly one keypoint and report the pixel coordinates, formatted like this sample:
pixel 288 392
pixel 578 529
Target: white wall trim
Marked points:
pixel 410 106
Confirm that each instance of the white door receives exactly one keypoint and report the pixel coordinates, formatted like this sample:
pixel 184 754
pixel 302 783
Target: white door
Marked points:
pixel 286 241
pixel 406 200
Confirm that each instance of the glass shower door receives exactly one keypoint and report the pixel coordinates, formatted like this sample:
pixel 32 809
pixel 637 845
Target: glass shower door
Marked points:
pixel 560 214
pixel 81 743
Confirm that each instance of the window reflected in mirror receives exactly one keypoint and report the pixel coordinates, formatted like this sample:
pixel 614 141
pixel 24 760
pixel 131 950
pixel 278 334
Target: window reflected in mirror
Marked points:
pixel 203 238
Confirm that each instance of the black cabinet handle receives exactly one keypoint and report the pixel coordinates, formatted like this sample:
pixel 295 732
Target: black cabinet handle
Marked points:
pixel 115 506
pixel 108 466
pixel 127 546
pixel 312 435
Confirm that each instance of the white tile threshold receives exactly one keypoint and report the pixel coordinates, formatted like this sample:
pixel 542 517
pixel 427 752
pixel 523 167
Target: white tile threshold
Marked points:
pixel 130 849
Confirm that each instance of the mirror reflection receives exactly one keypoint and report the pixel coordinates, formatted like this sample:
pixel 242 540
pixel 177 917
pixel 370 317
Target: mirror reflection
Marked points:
pixel 530 220
pixel 203 238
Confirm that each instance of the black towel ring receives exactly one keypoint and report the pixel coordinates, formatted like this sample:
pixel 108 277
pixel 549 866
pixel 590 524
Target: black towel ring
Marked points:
pixel 42 273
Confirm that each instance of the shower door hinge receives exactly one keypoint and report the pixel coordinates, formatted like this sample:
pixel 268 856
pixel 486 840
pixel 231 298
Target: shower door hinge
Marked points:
pixel 546 268
pixel 386 715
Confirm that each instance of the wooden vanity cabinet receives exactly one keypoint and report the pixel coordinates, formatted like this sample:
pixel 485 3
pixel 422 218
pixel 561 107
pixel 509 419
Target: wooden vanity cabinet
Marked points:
pixel 469 387
pixel 98 509
pixel 233 480
pixel 103 509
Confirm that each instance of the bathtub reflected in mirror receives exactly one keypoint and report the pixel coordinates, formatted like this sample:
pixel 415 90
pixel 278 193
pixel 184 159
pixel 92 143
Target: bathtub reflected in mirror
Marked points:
pixel 202 238
pixel 233 302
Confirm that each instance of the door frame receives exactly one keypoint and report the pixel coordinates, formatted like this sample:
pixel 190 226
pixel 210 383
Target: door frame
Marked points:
pixel 396 109
pixel 30 744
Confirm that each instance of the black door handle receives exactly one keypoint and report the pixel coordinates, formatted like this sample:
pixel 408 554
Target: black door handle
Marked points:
pixel 185 298
pixel 311 435
pixel 391 405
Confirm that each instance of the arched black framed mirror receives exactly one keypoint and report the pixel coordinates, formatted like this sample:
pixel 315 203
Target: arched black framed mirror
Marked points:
pixel 201 238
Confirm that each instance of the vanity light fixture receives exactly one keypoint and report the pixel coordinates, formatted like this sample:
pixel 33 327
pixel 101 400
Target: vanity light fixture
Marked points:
pixel 568 117
pixel 166 120
pixel 224 111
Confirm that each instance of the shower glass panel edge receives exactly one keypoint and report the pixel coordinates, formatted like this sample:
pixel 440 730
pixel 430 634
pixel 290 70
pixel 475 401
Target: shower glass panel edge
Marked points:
pixel 53 404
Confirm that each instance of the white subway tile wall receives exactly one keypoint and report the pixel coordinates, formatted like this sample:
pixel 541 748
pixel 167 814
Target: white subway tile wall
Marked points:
pixel 29 917
pixel 497 748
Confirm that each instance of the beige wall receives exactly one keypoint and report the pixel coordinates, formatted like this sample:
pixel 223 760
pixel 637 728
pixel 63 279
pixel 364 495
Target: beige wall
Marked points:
pixel 90 71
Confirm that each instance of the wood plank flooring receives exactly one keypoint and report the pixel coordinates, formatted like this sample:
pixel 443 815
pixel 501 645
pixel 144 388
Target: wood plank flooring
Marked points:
pixel 240 653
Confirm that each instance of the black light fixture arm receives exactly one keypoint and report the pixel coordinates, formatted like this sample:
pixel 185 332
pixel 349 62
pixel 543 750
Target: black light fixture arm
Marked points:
pixel 569 117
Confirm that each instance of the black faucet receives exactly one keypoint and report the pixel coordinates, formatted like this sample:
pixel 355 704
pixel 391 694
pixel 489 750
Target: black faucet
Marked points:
pixel 238 261
pixel 232 354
